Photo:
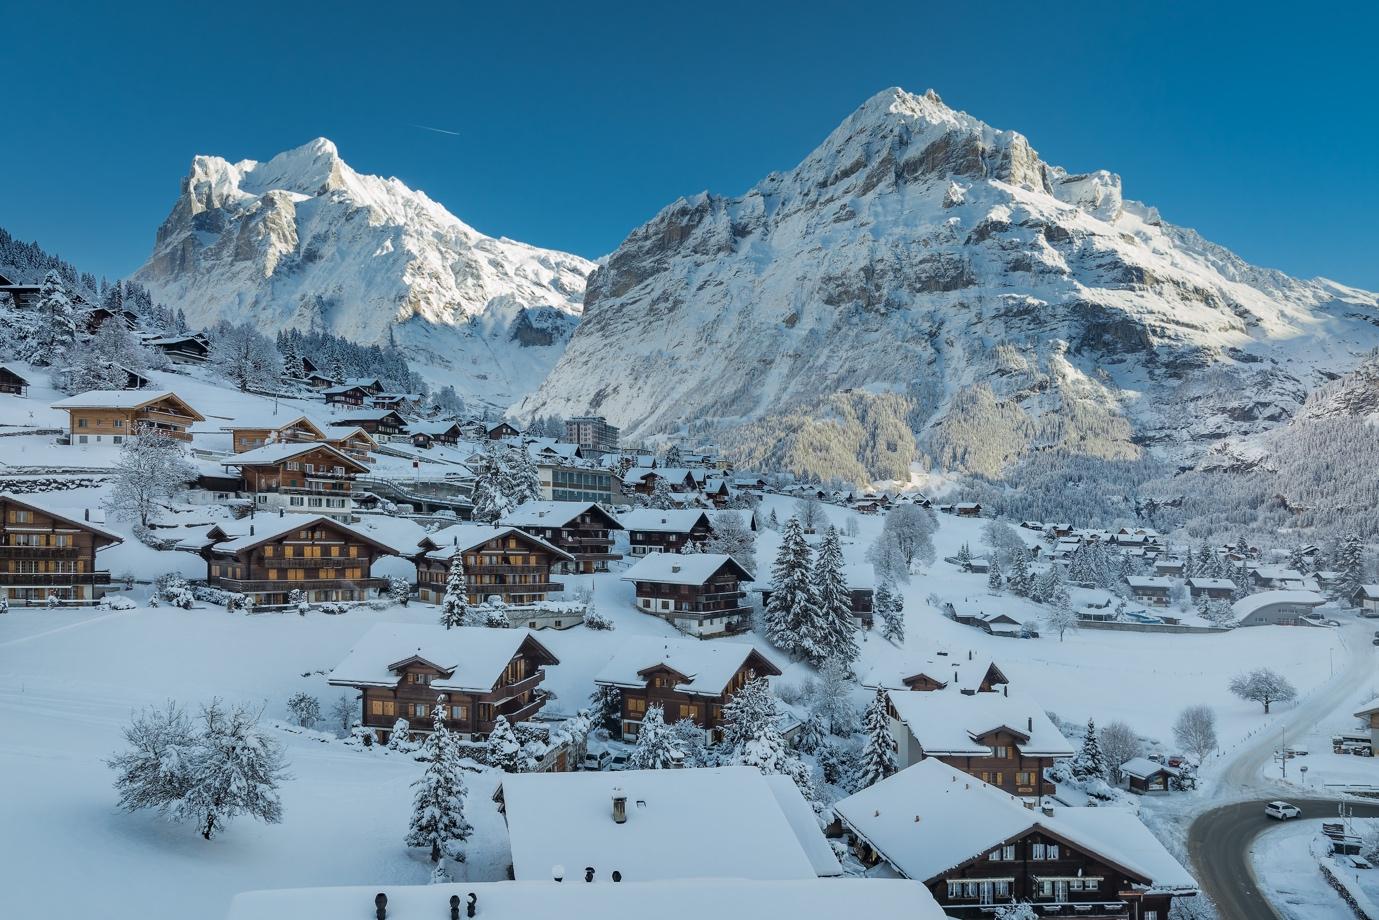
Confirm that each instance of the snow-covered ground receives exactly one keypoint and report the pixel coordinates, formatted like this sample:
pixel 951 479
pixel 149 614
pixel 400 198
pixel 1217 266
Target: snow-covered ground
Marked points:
pixel 1285 862
pixel 69 680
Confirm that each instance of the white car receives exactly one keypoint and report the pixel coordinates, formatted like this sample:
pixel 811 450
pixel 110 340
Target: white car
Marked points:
pixel 1281 811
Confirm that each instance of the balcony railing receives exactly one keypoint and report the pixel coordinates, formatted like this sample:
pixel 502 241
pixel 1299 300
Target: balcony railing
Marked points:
pixel 508 569
pixel 52 579
pixel 511 691
pixel 540 587
pixel 524 712
pixel 39 552
pixel 307 584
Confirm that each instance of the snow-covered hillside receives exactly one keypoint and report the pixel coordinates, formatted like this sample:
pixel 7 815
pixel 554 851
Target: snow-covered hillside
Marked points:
pixel 303 241
pixel 923 284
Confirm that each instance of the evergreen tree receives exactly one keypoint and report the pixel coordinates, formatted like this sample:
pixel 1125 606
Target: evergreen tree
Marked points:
pixel 1350 566
pixel 655 748
pixel 772 521
pixel 1089 763
pixel 55 323
pixel 889 609
pixel 964 557
pixel 1049 588
pixel 607 702
pixel 438 819
pixel 993 576
pixel 792 613
pixel 455 609
pixel 752 734
pixel 879 752
pixel 1298 561
pixel 812 735
pixel 1019 581
pixel 492 482
pixel 835 624
pixel 504 750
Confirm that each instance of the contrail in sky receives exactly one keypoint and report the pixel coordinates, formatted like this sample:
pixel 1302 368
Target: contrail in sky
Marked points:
pixel 437 130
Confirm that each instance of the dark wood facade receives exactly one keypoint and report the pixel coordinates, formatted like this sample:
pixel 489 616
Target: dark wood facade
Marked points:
pixel 517 696
pixel 386 424
pixel 662 539
pixel 511 565
pixel 299 430
pixel 324 559
pixel 345 396
pixel 44 554
pixel 319 480
pixel 588 536
pixel 716 606
pixel 703 709
pixel 1008 768
pixel 11 382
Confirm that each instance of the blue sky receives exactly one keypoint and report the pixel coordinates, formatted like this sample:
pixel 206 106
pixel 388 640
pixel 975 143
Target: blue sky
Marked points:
pixel 1254 123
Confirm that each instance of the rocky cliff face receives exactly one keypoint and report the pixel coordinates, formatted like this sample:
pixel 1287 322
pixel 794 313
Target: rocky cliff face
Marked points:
pixel 304 241
pixel 924 288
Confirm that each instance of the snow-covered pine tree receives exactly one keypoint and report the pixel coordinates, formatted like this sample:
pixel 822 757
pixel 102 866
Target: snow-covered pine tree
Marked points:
pixel 234 770
pixel 792 614
pixel 812 735
pixel 889 610
pixel 772 521
pixel 994 581
pixel 491 481
pixel 504 750
pixel 455 609
pixel 524 479
pixel 1350 567
pixel 835 625
pixel 964 556
pixel 438 820
pixel 1019 581
pixel 55 323
pixel 1298 561
pixel 733 538
pixel 1089 762
pixel 751 732
pixel 1050 588
pixel 879 751
pixel 655 748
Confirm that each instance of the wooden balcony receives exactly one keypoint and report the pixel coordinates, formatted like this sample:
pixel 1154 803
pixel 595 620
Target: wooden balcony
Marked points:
pixel 512 691
pixel 39 552
pixel 52 579
pixel 284 585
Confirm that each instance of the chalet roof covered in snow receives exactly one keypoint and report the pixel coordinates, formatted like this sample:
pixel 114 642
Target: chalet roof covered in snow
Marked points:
pixel 270 527
pixel 1253 603
pixel 123 399
pixel 473 657
pixel 656 520
pixel 950 723
pixel 1143 767
pixel 464 537
pixel 805 823
pixel 964 671
pixel 281 451
pixel 695 899
pixel 45 505
pixel 708 666
pixel 1224 584
pixel 553 514
pixel 930 818
pixel 1369 592
pixel 368 415
pixel 682 568
pixel 1149 581
pixel 720 822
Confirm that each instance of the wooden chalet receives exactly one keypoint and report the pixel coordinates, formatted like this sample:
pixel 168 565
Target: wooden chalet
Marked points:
pixel 118 414
pixel 477 674
pixel 978 849
pixel 98 316
pixel 345 395
pixel 317 380
pixel 310 477
pixel 688 678
pixel 1144 776
pixel 698 593
pixel 352 440
pixel 1222 589
pixel 497 431
pixel 1004 739
pixel 503 561
pixel 193 348
pixel 13 382
pixel 1155 590
pixel 47 554
pixel 652 530
pixel 372 386
pixel 379 423
pixel 582 529
pixel 267 557
pixel 939 671
pixel 425 434
pixel 250 437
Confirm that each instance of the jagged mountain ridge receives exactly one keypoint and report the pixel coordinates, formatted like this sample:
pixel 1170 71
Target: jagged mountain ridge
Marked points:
pixel 923 286
pixel 303 241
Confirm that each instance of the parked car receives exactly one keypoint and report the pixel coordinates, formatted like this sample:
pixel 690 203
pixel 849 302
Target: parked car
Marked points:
pixel 597 760
pixel 1176 760
pixel 1281 811
pixel 1297 750
pixel 619 761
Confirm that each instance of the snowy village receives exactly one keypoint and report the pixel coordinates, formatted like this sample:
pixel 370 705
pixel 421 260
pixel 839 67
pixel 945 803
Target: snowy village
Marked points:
pixel 929 532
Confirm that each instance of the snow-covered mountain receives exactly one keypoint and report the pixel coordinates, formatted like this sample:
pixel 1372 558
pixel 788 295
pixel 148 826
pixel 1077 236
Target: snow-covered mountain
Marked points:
pixel 924 288
pixel 303 241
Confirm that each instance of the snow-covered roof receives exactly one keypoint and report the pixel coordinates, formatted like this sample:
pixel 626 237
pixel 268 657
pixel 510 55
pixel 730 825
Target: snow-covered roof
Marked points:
pixel 1149 581
pixel 122 399
pixel 550 514
pixel 692 823
pixel 270 527
pixel 13 369
pixel 1370 592
pixel 657 520
pixel 958 672
pixel 473 656
pixel 340 432
pixel 1369 708
pixel 71 516
pixel 1142 767
pixel 433 428
pixel 949 723
pixel 682 568
pixel 1222 583
pixel 708 666
pixel 280 451
pixel 1253 603
pixel 930 818
pixel 464 537
pixel 368 415
pixel 685 899
pixel 805 823
pixel 1278 573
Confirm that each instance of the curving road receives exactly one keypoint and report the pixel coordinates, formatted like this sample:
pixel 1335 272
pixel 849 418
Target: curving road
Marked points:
pixel 1219 840
pixel 1219 844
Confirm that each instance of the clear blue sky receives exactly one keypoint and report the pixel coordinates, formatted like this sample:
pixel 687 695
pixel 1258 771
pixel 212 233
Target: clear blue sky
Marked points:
pixel 1254 123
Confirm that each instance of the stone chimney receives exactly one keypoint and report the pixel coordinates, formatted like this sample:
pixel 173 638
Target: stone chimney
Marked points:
pixel 619 806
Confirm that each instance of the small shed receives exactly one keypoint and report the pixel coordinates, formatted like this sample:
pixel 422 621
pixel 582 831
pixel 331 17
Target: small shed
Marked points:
pixel 1144 776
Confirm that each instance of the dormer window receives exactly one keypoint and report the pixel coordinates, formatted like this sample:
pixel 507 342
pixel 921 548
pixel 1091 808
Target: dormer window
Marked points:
pixel 418 678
